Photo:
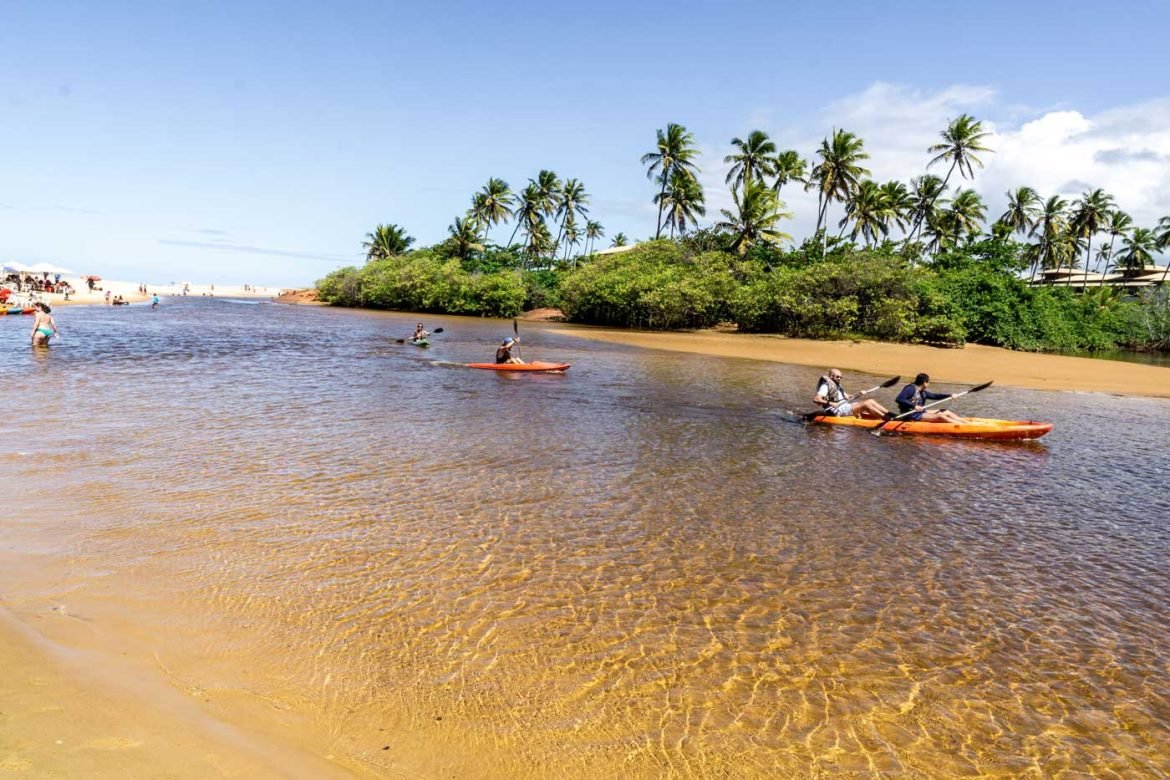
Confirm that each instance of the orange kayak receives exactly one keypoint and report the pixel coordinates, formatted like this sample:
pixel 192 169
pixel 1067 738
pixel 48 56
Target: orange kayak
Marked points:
pixel 971 428
pixel 533 366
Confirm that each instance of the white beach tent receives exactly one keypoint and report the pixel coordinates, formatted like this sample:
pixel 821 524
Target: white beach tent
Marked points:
pixel 15 268
pixel 47 268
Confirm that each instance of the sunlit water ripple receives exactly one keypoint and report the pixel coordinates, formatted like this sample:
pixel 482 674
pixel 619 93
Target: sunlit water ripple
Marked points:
pixel 638 568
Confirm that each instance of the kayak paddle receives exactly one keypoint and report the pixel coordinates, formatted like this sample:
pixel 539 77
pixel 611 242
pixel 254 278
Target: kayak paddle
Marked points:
pixel 810 416
pixel 433 332
pixel 516 332
pixel 877 429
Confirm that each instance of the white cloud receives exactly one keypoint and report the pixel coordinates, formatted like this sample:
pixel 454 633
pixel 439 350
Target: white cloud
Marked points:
pixel 1123 150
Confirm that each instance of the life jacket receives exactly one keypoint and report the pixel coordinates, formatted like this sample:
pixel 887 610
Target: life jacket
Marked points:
pixel 835 395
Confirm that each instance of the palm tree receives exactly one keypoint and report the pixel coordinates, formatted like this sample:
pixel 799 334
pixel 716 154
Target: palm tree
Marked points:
pixel 572 204
pixel 386 241
pixel 539 240
pixel 869 210
pixel 1088 217
pixel 527 211
pixel 464 238
pixel 572 234
pixel 961 140
pixel 900 205
pixel 620 240
pixel 788 166
pixel 675 149
pixel 548 188
pixel 757 210
pixel 593 231
pixel 964 216
pixel 753 158
pixel 1119 224
pixel 1137 250
pixel 1051 224
pixel 684 202
pixel 1163 241
pixel 836 176
pixel 1022 210
pixel 927 189
pixel 493 204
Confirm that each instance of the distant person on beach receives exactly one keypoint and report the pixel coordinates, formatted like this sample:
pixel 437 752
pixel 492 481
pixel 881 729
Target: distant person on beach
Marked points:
pixel 504 353
pixel 44 328
pixel 107 297
pixel 154 301
pixel 836 402
pixel 420 333
pixel 915 395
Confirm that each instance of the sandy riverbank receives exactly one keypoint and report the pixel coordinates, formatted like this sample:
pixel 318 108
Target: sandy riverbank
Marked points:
pixel 971 365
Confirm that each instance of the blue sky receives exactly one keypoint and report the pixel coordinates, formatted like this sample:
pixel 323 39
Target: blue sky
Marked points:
pixel 257 142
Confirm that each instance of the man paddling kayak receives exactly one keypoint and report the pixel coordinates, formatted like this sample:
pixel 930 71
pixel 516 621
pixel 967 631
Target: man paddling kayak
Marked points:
pixel 836 402
pixel 915 395
pixel 504 352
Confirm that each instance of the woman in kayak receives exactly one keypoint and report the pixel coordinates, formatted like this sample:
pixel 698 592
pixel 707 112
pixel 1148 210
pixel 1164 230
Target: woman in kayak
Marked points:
pixel 420 333
pixel 43 326
pixel 837 403
pixel 914 396
pixel 504 352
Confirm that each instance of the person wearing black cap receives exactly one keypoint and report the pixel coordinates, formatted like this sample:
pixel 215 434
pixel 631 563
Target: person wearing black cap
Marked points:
pixel 914 396
pixel 504 352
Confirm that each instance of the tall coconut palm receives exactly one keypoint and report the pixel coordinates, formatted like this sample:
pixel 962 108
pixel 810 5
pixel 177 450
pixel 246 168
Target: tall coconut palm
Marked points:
pixel 837 175
pixel 464 237
pixel 593 231
pixel 963 217
pixel 386 241
pixel 1118 224
pixel 900 205
pixel 620 240
pixel 684 202
pixel 927 189
pixel 527 212
pixel 868 209
pixel 962 139
pixel 788 166
pixel 757 210
pixel 1137 250
pixel 1022 210
pixel 493 204
pixel 573 203
pixel 754 158
pixel 572 235
pixel 675 149
pixel 1088 217
pixel 1051 224
pixel 549 191
pixel 1163 242
pixel 538 240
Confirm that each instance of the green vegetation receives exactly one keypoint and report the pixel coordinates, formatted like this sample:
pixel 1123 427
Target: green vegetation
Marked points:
pixel 911 262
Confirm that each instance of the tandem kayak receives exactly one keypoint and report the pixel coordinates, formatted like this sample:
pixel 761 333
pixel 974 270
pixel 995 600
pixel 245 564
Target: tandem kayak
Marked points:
pixel 533 366
pixel 971 428
pixel 17 310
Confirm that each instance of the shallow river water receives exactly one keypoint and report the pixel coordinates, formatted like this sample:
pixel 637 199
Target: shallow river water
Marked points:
pixel 639 568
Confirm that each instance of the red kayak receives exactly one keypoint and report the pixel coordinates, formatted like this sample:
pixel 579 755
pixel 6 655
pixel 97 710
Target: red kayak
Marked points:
pixel 536 365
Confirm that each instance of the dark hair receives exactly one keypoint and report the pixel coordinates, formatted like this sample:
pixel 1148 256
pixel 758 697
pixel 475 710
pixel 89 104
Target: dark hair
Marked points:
pixel 44 307
pixel 921 379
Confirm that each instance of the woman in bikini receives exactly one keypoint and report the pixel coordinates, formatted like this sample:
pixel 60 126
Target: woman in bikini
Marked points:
pixel 44 327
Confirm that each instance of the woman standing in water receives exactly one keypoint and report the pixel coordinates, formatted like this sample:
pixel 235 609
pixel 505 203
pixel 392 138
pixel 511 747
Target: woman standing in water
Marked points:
pixel 44 327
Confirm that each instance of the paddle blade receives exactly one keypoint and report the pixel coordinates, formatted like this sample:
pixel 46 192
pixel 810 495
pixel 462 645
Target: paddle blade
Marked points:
pixel 437 330
pixel 515 328
pixel 890 382
pixel 977 388
pixel 400 341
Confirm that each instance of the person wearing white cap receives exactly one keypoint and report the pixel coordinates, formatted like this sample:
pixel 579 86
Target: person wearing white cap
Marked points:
pixel 504 352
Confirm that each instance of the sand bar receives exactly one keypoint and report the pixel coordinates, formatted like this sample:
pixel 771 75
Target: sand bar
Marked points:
pixel 970 365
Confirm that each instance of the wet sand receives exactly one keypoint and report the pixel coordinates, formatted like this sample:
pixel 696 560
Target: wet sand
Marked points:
pixel 66 712
pixel 972 364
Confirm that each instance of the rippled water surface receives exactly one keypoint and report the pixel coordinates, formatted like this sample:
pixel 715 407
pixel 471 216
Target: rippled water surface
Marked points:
pixel 638 568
